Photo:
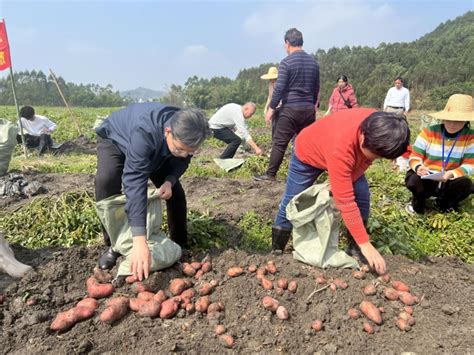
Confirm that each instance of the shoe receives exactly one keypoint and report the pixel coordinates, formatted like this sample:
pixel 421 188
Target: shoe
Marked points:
pixel 264 177
pixel 409 209
pixel 354 250
pixel 280 238
pixel 108 259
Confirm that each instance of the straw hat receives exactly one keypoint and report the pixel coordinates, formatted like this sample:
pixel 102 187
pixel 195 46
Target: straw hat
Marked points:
pixel 458 108
pixel 272 74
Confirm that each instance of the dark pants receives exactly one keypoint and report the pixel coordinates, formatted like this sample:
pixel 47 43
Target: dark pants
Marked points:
pixel 108 182
pixel 43 142
pixel 290 122
pixel 448 195
pixel 233 141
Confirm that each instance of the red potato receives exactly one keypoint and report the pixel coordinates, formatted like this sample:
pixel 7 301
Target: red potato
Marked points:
pixel 340 283
pixel 188 270
pixel 188 282
pixel 271 267
pixel 139 286
pixel 261 272
pixel 292 286
pixel 408 309
pixel 282 283
pixel 64 320
pixel 102 276
pixel 188 294
pixel 146 295
pixel 359 275
pixel 31 301
pixel 88 302
pixel 408 318
pixel 112 314
pixel 214 307
pixel 221 306
pixel 270 303
pixel 118 301
pixel 368 328
pixel 199 274
pixel 83 313
pixel 177 286
pixel 131 279
pixel 407 298
pixel 206 267
pixel 266 283
pixel 282 313
pixel 369 290
pixel 382 310
pixel 227 340
pixel 149 309
pixel 390 294
pixel 400 286
pixel 196 265
pixel 371 311
pixel 190 308
pixel 385 278
pixel 97 290
pixel 279 291
pixel 252 268
pixel 321 280
pixel 235 271
pixel 206 289
pixel 160 296
pixel 219 330
pixel 403 325
pixel 353 313
pixel 333 287
pixel 365 268
pixel 136 303
pixel 317 325
pixel 202 304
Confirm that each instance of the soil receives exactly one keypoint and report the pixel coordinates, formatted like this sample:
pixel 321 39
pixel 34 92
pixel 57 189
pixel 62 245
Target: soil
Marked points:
pixel 443 316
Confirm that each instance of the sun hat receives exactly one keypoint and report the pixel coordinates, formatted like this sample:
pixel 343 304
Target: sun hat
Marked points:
pixel 458 108
pixel 272 74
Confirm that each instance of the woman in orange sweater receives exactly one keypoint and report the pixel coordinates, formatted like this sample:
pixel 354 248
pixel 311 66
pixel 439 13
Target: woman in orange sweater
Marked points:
pixel 343 96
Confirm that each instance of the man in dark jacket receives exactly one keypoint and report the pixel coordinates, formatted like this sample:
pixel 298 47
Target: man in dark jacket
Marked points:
pixel 297 87
pixel 140 142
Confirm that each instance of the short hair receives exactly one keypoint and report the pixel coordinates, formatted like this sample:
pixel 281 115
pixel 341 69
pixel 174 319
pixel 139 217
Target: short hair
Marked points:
pixel 27 112
pixel 294 37
pixel 343 78
pixel 250 103
pixel 190 126
pixel 399 78
pixel 386 134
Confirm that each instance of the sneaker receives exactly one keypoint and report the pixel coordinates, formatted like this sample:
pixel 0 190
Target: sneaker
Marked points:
pixel 409 209
pixel 264 177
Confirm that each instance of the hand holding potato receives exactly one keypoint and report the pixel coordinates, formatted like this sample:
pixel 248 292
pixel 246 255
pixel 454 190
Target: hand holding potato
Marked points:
pixel 374 258
pixel 140 258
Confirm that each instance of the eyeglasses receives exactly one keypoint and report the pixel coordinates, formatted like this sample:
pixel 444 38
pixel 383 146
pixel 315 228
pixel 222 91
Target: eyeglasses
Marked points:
pixel 178 151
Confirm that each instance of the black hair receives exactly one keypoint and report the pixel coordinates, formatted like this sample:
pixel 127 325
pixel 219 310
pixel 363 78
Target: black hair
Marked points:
pixel 343 78
pixel 294 37
pixel 190 127
pixel 27 112
pixel 399 78
pixel 386 134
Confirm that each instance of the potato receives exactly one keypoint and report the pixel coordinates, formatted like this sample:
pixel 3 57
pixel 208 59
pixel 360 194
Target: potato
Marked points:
pixel 139 286
pixel 359 275
pixel 220 329
pixel 235 271
pixel 227 340
pixel 177 286
pixel 365 268
pixel 353 313
pixel 118 301
pixel 196 265
pixel 215 307
pixel 83 313
pixel 97 290
pixel 206 267
pixel 371 312
pixel 292 286
pixel 190 308
pixel 64 320
pixel 270 303
pixel 321 280
pixel 368 328
pixel 390 293
pixel 340 283
pixel 317 325
pixel 252 268
pixel 407 317
pixel 188 294
pixel 202 304
pixel 282 283
pixel 282 313
pixel 400 286
pixel 136 303
pixel 188 270
pixel 102 276
pixel 131 279
pixel 403 325
pixel 261 272
pixel 408 309
pixel 271 267
pixel 199 274
pixel 266 283
pixel 113 314
pixel 369 290
pixel 150 309
pixel 279 291
pixel 385 278
pixel 406 298
pixel 206 289
pixel 146 295
pixel 214 283
pixel 160 296
pixel 382 309
pixel 88 302
pixel 333 287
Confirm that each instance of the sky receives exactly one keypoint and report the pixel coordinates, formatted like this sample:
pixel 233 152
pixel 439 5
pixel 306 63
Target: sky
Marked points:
pixel 154 44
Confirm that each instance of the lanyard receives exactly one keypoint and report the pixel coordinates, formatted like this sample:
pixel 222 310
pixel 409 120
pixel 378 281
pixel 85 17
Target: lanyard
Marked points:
pixel 445 162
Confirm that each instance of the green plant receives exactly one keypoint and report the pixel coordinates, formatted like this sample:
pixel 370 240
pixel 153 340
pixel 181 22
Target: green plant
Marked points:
pixel 256 232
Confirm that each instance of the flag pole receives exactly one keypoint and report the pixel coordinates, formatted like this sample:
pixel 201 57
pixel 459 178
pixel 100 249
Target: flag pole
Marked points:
pixel 65 102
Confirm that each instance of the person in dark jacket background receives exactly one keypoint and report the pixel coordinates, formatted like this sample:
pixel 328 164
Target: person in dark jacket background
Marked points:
pixel 140 142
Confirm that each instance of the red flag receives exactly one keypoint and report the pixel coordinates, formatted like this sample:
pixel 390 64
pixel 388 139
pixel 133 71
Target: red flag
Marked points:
pixel 4 48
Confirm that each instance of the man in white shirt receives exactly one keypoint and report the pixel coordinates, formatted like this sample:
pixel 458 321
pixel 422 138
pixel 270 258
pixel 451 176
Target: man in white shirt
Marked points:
pixel 397 99
pixel 229 119
pixel 37 130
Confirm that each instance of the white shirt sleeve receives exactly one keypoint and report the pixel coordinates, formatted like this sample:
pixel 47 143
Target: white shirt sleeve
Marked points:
pixel 407 101
pixel 387 98
pixel 50 125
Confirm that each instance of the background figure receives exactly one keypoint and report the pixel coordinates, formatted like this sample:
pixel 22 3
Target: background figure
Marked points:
pixel 343 96
pixel 397 99
pixel 271 76
pixel 36 129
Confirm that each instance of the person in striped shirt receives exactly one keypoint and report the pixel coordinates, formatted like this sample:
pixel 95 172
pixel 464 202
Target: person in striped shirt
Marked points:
pixel 446 148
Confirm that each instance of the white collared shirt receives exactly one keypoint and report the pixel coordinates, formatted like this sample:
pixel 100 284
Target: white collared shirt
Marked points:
pixel 37 125
pixel 230 116
pixel 397 98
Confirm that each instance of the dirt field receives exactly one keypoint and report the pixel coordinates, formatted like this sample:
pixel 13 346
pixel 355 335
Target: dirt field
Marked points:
pixel 444 286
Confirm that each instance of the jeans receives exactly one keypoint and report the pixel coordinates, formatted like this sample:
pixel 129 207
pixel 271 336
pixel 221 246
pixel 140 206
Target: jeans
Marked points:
pixel 233 141
pixel 301 176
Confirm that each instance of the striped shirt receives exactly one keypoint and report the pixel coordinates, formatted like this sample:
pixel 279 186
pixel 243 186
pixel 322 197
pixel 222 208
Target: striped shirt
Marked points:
pixel 428 150
pixel 298 81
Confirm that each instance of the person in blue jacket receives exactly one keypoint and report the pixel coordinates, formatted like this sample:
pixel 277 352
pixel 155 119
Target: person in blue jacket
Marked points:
pixel 140 142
